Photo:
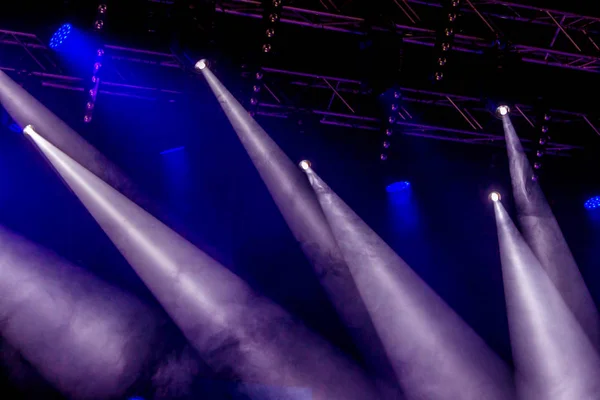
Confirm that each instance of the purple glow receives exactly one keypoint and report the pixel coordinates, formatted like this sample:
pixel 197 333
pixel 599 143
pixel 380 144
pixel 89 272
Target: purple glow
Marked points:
pixel 544 236
pixel 554 358
pixel 434 353
pixel 231 327
pixel 300 208
pixel 88 339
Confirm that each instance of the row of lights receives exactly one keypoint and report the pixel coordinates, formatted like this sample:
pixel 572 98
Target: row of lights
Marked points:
pixel 446 38
pixel 271 17
pixel 388 125
pixel 95 81
pixel 543 140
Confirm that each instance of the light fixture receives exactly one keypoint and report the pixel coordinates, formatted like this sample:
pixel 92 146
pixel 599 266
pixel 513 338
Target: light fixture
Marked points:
pixel 99 24
pixel 304 164
pixel 495 196
pixel 102 8
pixel 439 76
pixel 383 157
pixel 592 203
pixel 502 110
pixel 389 132
pixel 60 36
pixel 386 145
pixel 201 64
pixel 397 187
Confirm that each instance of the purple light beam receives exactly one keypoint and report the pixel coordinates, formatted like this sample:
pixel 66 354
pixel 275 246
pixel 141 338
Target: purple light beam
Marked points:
pixel 301 210
pixel 88 339
pixel 231 327
pixel 435 354
pixel 544 236
pixel 554 358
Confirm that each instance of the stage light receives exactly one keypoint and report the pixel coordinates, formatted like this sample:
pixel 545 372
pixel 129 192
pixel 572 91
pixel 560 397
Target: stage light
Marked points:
pixel 259 75
pixel 537 165
pixel 451 17
pixel 266 47
pixel 305 164
pixel 389 132
pixel 60 36
pixel 397 95
pixel 542 141
pixel 391 119
pixel 495 196
pixel 200 65
pixel 173 150
pixel 539 153
pixel 99 24
pixel 502 110
pixel 270 32
pixel 100 52
pixel 449 31
pixel 442 61
pixel 397 187
pixel 102 8
pixel 28 130
pixel 394 107
pixel 592 203
pixel 383 157
pixel 544 129
pixel 439 76
pixel 386 145
pixel 274 17
pixel 445 46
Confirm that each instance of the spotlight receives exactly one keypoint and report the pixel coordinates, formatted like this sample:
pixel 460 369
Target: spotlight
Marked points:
pixel 266 47
pixel 201 64
pixel 537 165
pixel 442 61
pixel 449 31
pixel 502 110
pixel 544 129
pixel 100 52
pixel 592 203
pixel 102 8
pixel 60 36
pixel 274 17
pixel 99 24
pixel 391 119
pixel 542 141
pixel 539 153
pixel 386 145
pixel 445 46
pixel 28 130
pixel 394 107
pixel 256 88
pixel 397 95
pixel 397 187
pixel 253 101
pixel 276 3
pixel 304 164
pixel 439 76
pixel 383 157
pixel 89 105
pixel 451 17
pixel 389 132
pixel 495 196
pixel 270 32
pixel 259 75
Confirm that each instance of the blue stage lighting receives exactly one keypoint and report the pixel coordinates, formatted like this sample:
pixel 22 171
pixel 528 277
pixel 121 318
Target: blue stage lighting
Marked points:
pixel 173 150
pixel 397 187
pixel 593 203
pixel 60 36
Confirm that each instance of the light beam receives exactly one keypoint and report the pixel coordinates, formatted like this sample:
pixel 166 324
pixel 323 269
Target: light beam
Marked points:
pixel 88 339
pixel 297 203
pixel 435 354
pixel 553 356
pixel 232 328
pixel 544 236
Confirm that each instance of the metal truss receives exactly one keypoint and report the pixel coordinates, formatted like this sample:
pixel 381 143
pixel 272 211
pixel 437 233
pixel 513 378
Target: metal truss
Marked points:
pixel 334 101
pixel 546 36
pixel 24 55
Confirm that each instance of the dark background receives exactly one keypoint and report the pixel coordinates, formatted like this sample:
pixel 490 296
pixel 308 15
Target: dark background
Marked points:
pixel 444 227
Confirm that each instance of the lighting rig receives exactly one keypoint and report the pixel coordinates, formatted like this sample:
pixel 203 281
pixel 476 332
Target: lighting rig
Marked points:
pixel 446 34
pixel 94 84
pixel 271 17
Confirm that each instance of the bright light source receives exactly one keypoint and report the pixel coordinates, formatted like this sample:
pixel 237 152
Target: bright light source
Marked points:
pixel 305 164
pixel 60 36
pixel 28 130
pixel 593 203
pixel 495 196
pixel 503 110
pixel 200 65
pixel 397 187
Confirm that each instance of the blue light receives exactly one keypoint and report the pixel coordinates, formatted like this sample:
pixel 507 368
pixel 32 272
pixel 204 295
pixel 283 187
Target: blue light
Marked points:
pixel 15 128
pixel 398 187
pixel 136 398
pixel 173 150
pixel 593 203
pixel 60 36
